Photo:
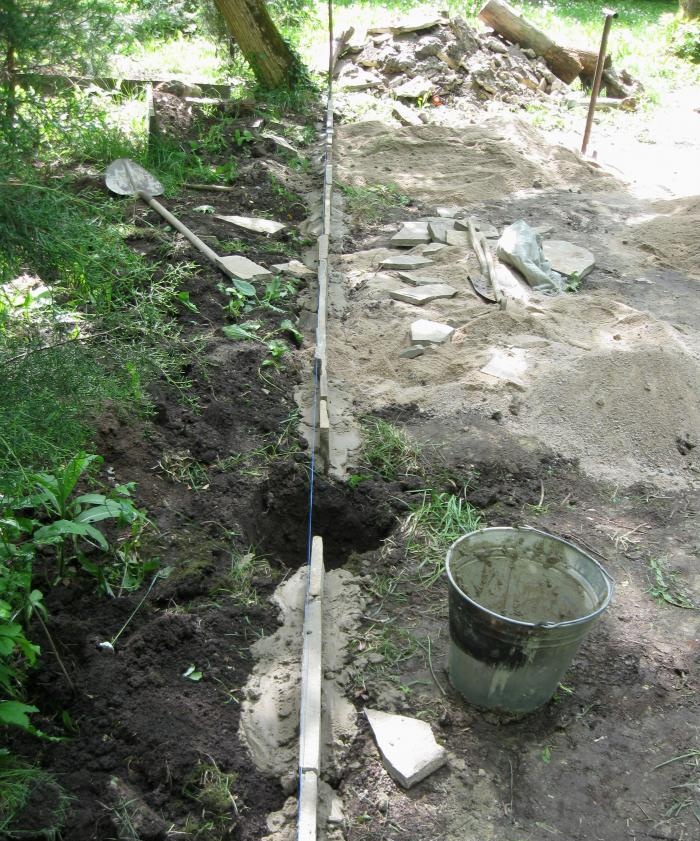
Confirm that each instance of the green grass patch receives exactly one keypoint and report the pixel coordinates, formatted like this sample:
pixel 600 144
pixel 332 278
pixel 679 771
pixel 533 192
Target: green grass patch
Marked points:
pixel 388 450
pixel 436 520
pixel 20 784
pixel 371 203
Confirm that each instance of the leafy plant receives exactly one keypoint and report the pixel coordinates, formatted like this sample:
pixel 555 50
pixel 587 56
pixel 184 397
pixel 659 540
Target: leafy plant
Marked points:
pixel 665 587
pixel 371 203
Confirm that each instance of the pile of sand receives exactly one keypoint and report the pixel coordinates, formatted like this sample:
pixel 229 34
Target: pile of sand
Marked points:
pixel 672 235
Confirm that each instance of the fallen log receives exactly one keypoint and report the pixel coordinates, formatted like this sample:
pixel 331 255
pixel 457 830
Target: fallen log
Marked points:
pixel 588 60
pixel 501 17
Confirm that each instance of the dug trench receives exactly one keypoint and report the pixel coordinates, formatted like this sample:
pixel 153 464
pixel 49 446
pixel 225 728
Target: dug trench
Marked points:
pixel 144 737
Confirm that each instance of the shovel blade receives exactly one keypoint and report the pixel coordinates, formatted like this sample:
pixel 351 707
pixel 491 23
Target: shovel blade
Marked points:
pixel 126 178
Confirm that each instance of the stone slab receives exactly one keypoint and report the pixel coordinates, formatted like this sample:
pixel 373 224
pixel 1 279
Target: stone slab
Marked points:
pixel 405 115
pixel 449 212
pixel 486 228
pixel 433 248
pixel 459 238
pixel 438 229
pixel 243 268
pixel 568 259
pixel 407 746
pixel 414 88
pixel 431 332
pixel 251 223
pixel 412 233
pixel 419 295
pixel 412 352
pixel 406 261
pixel 295 268
pixel 417 280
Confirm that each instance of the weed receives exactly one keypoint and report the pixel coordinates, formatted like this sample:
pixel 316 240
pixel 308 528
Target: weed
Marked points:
pixel 214 791
pixel 241 578
pixel 435 522
pixel 18 784
pixel 388 450
pixel 664 586
pixel 371 203
pixel 182 468
pixel 546 754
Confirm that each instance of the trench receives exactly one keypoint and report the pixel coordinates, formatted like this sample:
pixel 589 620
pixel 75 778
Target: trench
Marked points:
pixel 351 520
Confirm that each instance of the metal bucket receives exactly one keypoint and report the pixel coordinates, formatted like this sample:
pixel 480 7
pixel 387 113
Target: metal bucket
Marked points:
pixel 521 602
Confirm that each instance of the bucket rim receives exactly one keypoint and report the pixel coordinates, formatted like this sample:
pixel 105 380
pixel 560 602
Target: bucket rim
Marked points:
pixel 569 622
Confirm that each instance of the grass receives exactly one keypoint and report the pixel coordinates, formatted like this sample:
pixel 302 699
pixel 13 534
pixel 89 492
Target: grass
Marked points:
pixel 388 451
pixel 370 203
pixel 664 586
pixel 435 522
pixel 18 783
pixel 240 581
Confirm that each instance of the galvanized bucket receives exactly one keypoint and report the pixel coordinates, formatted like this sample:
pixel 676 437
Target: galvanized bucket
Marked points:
pixel 521 601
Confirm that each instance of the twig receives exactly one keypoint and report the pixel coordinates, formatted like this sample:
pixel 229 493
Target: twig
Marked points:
pixel 432 671
pixel 22 356
pixel 136 609
pixel 214 188
pixel 55 650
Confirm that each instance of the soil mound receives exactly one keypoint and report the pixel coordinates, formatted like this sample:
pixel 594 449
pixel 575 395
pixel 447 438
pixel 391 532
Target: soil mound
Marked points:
pixel 672 234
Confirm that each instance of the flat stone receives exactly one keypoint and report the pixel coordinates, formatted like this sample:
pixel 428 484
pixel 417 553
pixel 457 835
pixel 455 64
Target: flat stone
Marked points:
pixel 407 746
pixel 412 352
pixel 295 268
pixel 430 331
pixel 417 280
pixel 438 229
pixel 416 23
pixel 449 212
pixel 433 248
pixel 414 88
pixel 488 230
pixel 412 233
pixel 406 115
pixel 406 261
pixel 509 365
pixel 568 259
pixel 250 223
pixel 359 80
pixel 419 295
pixel 243 268
pixel 460 238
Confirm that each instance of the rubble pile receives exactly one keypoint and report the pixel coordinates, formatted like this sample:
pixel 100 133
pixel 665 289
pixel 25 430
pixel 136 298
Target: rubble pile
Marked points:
pixel 442 60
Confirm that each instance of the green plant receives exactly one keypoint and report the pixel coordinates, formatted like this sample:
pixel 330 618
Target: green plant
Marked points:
pixel 239 582
pixel 19 782
pixel 665 587
pixel 573 283
pixel 435 522
pixel 388 450
pixel 370 203
pixel 215 792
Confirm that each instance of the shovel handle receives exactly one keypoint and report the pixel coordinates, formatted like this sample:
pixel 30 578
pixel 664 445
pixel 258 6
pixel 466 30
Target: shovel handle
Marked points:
pixel 191 237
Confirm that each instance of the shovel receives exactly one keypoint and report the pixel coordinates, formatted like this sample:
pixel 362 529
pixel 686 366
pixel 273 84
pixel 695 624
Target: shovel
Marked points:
pixel 127 178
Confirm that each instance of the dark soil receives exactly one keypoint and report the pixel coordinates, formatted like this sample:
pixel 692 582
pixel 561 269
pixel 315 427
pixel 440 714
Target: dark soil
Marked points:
pixel 138 738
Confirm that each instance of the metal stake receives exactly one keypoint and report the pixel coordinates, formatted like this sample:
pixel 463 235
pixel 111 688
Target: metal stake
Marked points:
pixel 609 15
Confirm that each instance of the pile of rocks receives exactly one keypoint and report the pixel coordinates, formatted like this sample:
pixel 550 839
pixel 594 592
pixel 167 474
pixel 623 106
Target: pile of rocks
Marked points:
pixel 440 59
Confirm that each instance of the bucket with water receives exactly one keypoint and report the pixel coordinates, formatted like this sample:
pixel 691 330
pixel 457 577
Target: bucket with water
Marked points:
pixel 521 601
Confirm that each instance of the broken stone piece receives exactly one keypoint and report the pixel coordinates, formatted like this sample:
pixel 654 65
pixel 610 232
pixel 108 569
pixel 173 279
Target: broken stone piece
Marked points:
pixel 449 212
pixel 412 352
pixel 417 280
pixel 243 268
pixel 568 259
pixel 438 229
pixel 433 248
pixel 419 295
pixel 485 228
pixel 295 268
pixel 460 238
pixel 405 261
pixel 430 331
pixel 405 115
pixel 509 365
pixel 414 88
pixel 407 746
pixel 412 233
pixel 258 226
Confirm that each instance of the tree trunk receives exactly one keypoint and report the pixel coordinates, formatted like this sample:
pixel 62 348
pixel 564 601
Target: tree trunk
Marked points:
pixel 589 59
pixel 690 8
pixel 268 54
pixel 504 19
